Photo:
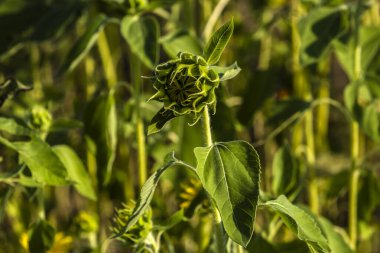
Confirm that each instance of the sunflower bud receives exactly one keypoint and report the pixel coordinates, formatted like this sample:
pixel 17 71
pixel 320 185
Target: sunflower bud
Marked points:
pixel 185 85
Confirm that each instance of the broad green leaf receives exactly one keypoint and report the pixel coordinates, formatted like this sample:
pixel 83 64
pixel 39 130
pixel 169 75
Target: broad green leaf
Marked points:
pixel 84 43
pixel 146 194
pixel 41 237
pixel 180 41
pixel 76 171
pixel 301 223
pixel 318 29
pixel 10 88
pixel 230 173
pixel 336 241
pixel 159 120
pixel 285 171
pixel 226 73
pixel 141 33
pixel 100 124
pixel 218 42
pixel 43 163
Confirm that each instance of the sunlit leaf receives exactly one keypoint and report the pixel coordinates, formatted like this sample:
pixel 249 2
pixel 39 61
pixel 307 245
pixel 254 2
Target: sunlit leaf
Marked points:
pixel 45 166
pixel 301 223
pixel 76 171
pixel 336 241
pixel 226 73
pixel 230 173
pixel 218 42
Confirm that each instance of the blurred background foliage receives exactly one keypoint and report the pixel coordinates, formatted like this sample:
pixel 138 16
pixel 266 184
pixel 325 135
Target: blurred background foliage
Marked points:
pixel 75 112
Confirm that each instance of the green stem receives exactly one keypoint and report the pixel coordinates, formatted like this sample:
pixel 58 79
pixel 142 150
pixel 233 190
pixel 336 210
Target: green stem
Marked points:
pixel 323 112
pixel 355 139
pixel 41 204
pixel 106 58
pixel 135 68
pixel 302 90
pixel 218 219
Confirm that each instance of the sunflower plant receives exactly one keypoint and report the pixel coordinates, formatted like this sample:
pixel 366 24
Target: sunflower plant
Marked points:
pixel 228 171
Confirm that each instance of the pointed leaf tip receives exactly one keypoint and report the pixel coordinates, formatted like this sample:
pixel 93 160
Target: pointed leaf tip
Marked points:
pixel 218 42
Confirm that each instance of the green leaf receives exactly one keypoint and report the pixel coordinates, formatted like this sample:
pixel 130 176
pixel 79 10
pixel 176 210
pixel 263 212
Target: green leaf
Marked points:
pixel 230 173
pixel 180 41
pixel 141 34
pixel 300 223
pixel 226 73
pixel 159 120
pixel 285 171
pixel 10 88
pixel 75 170
pixel 336 241
pixel 146 194
pixel 84 44
pixel 100 124
pixel 43 163
pixel 318 29
pixel 218 42
pixel 41 237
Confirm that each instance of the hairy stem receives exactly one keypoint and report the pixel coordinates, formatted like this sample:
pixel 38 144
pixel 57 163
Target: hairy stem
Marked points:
pixel 218 219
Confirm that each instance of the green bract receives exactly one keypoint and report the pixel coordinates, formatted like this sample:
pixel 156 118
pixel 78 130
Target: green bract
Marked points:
pixel 185 85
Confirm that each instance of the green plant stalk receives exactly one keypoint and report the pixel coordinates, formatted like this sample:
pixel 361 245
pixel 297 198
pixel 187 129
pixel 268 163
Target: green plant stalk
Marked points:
pixel 218 219
pixel 135 70
pixel 302 90
pixel 355 140
pixel 106 58
pixel 41 204
pixel 323 112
